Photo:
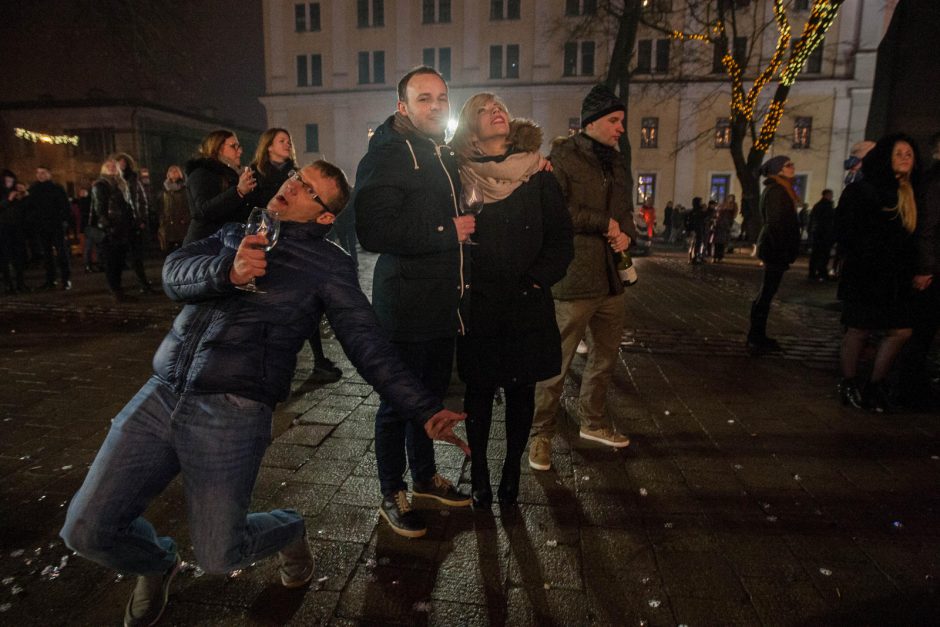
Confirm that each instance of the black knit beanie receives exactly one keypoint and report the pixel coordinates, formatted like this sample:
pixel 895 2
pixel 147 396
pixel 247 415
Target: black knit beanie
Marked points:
pixel 600 101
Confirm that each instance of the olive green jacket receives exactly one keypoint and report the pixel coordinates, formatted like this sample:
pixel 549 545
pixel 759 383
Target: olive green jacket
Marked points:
pixel 592 200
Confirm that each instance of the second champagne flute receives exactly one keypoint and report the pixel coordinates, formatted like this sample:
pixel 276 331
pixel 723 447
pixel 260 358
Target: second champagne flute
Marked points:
pixel 471 203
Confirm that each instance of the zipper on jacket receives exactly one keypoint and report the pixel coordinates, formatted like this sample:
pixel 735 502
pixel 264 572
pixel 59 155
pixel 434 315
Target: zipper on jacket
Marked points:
pixel 453 196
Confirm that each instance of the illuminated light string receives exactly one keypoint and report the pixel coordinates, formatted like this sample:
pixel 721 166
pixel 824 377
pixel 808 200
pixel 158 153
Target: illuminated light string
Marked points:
pixel 45 138
pixel 744 102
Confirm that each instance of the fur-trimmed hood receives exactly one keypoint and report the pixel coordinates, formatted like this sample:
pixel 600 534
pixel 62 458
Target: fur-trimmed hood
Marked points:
pixel 525 135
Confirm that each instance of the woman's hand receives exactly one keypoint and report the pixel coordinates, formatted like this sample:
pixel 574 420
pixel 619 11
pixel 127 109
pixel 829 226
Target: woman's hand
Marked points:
pixel 246 182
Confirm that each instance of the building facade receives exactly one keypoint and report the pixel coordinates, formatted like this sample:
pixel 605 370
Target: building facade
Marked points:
pixel 332 69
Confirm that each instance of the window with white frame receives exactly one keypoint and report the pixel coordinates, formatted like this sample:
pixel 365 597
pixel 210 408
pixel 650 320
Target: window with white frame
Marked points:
pixel 307 17
pixel 372 67
pixel 575 8
pixel 649 133
pixel 370 13
pixel 802 132
pixel 504 9
pixel 579 58
pixel 439 59
pixel 435 12
pixel 645 188
pixel 723 133
pixel 504 61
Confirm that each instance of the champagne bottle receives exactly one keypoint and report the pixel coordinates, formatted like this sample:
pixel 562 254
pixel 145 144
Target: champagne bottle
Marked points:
pixel 626 269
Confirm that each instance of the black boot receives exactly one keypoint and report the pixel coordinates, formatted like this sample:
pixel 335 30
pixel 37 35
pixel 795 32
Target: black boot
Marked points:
pixel 850 394
pixel 478 431
pixel 875 397
pixel 508 492
pixel 757 341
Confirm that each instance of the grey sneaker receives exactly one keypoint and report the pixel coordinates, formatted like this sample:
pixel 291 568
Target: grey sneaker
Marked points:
pixel 295 564
pixel 540 453
pixel 605 435
pixel 148 600
pixel 443 490
pixel 401 518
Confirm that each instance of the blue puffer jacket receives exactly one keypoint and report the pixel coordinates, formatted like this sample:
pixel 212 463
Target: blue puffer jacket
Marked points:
pixel 230 341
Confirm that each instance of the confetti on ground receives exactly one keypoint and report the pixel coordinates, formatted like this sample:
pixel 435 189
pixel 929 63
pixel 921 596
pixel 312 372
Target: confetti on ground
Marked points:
pixel 654 602
pixel 552 543
pixel 643 492
pixel 826 572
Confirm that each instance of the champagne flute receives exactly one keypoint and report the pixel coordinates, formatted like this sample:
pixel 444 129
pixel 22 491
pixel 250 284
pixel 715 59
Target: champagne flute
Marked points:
pixel 471 203
pixel 265 222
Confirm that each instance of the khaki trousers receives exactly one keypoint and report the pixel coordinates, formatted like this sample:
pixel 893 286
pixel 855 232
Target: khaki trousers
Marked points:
pixel 604 318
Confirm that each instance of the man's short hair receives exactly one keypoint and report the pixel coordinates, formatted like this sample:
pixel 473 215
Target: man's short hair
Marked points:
pixel 827 191
pixel 44 167
pixel 421 69
pixel 333 172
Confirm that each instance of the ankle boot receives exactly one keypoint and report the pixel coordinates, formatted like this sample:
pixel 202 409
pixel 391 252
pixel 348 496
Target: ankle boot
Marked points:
pixel 875 397
pixel 508 492
pixel 477 438
pixel 850 394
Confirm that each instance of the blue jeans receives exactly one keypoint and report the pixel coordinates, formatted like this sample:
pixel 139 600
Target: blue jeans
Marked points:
pixel 216 442
pixel 431 362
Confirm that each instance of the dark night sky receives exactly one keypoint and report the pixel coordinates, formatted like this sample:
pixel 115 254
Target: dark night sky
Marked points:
pixel 187 54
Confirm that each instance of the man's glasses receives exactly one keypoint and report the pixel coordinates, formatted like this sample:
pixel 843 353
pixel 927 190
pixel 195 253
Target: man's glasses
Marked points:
pixel 294 175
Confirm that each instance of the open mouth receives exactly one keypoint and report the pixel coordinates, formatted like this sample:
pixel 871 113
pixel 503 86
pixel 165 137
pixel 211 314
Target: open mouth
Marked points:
pixel 281 199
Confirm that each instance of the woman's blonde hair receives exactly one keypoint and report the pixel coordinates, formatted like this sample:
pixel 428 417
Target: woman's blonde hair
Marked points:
pixel 262 159
pixel 211 145
pixel 174 168
pixel 465 135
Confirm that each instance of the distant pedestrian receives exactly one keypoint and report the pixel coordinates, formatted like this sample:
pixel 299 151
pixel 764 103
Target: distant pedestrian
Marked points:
pixel 721 232
pixel 12 239
pixel 111 221
pixel 648 212
pixel 174 211
pixel 49 205
pixel 821 233
pixel 140 209
pixel 216 185
pixel 880 214
pixel 778 245
pixel 696 226
pixel 667 222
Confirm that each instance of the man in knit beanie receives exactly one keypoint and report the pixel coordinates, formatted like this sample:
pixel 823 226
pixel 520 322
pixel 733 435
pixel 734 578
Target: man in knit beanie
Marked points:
pixel 593 178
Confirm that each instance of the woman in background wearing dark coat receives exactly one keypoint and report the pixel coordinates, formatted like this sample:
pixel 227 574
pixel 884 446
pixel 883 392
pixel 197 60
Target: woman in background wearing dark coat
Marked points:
pixel 274 160
pixel 174 214
pixel 216 188
pixel 525 245
pixel 112 217
pixel 876 220
pixel 778 245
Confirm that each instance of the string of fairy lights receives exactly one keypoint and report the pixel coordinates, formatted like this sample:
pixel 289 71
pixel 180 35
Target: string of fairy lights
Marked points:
pixel 744 101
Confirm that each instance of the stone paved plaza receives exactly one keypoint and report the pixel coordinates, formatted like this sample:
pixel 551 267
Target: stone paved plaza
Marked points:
pixel 748 495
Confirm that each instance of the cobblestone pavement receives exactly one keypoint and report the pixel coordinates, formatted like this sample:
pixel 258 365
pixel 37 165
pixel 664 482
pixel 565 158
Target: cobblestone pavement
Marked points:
pixel 748 496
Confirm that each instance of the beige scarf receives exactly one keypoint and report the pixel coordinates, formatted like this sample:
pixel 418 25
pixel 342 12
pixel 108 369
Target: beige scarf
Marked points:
pixel 499 179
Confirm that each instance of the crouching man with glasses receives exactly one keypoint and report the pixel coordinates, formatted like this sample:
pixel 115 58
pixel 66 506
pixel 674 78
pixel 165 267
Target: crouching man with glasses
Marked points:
pixel 218 375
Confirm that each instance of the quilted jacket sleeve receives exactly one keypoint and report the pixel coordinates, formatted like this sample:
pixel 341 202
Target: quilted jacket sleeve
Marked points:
pixel 199 271
pixel 358 331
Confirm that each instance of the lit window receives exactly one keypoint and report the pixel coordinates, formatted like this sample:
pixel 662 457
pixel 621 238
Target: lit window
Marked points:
pixel 649 133
pixel 723 133
pixel 802 132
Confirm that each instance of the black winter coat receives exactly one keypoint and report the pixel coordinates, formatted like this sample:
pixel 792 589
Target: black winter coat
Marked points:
pixel 48 206
pixel 268 184
pixel 213 197
pixel 110 212
pixel 822 222
pixel 512 336
pixel 879 253
pixel 778 244
pixel 405 201
pixel 229 341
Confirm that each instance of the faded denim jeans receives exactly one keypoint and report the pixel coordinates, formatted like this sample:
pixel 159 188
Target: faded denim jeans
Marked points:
pixel 216 443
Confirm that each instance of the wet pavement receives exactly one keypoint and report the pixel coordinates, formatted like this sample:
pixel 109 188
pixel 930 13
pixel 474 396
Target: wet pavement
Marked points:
pixel 748 495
